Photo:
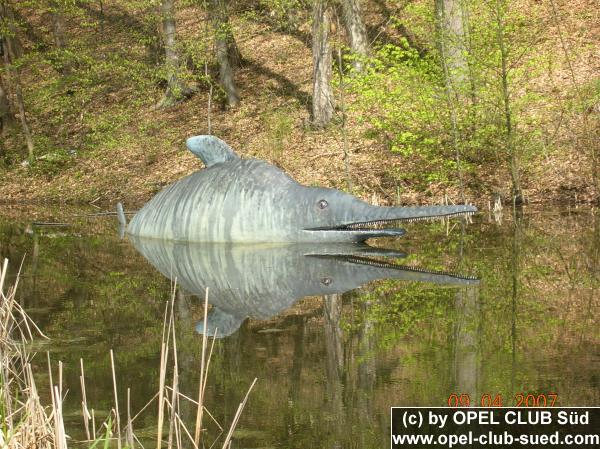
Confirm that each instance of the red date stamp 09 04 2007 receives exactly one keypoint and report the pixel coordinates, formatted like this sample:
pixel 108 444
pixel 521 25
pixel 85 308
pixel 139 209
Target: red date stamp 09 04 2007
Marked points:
pixel 496 400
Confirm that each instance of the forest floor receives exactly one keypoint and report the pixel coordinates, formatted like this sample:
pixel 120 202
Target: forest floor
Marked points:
pixel 147 150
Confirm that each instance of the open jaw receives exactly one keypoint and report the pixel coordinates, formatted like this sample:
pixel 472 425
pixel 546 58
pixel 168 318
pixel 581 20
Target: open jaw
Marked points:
pixel 386 221
pixel 364 230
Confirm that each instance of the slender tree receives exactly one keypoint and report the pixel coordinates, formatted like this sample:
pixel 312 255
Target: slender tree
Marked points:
pixel 4 115
pixel 226 50
pixel 9 56
pixel 176 88
pixel 453 55
pixel 452 41
pixel 235 56
pixel 322 101
pixel 4 109
pixel 58 24
pixel 356 31
pixel 57 14
pixel 509 126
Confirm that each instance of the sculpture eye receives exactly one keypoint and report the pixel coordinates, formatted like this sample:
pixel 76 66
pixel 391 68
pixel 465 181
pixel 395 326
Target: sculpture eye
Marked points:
pixel 326 281
pixel 323 204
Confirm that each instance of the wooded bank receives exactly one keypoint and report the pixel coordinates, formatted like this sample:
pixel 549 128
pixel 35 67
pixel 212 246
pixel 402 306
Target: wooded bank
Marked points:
pixel 400 102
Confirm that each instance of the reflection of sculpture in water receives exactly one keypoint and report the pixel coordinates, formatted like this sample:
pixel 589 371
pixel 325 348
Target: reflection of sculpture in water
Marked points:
pixel 260 281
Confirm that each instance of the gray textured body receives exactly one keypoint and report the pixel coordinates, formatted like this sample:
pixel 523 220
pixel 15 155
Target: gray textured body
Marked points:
pixel 237 200
pixel 262 280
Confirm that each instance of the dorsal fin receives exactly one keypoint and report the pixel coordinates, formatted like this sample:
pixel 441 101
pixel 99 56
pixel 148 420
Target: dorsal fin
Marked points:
pixel 211 150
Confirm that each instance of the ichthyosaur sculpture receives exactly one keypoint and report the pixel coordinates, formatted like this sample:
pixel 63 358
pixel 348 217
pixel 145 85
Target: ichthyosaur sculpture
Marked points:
pixel 261 281
pixel 248 200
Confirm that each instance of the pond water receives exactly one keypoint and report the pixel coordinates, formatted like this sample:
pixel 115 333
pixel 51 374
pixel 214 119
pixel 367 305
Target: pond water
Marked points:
pixel 329 365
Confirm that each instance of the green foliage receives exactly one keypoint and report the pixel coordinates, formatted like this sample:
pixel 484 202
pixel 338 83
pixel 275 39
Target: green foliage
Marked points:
pixel 401 95
pixel 407 309
pixel 428 118
pixel 83 94
pixel 84 99
pixel 106 438
pixel 503 21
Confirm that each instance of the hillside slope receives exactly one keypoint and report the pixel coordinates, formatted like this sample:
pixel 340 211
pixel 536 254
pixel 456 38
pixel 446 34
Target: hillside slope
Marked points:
pixel 101 140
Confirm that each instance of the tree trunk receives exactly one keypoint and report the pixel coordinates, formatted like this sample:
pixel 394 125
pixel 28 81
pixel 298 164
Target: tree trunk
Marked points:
pixel 593 140
pixel 322 101
pixel 235 56
pixel 513 156
pixel 4 110
pixel 58 34
pixel 58 25
pixel 356 31
pixel 176 89
pixel 226 51
pixel 452 42
pixel 13 75
pixel 4 115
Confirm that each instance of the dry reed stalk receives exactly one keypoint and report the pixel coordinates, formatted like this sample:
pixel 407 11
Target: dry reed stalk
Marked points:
pixel 93 424
pixel 24 422
pixel 35 410
pixel 30 425
pixel 214 419
pixel 84 408
pixel 183 426
pixel 164 353
pixel 50 375
pixel 117 417
pixel 238 413
pixel 61 436
pixel 187 432
pixel 3 272
pixel 193 401
pixel 174 403
pixel 129 430
pixel 208 361
pixel 145 407
pixel 202 374
pixel 60 377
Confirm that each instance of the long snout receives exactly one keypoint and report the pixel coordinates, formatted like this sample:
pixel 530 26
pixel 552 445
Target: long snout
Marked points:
pixel 372 215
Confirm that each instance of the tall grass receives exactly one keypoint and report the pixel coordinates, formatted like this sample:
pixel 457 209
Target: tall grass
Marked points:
pixel 25 423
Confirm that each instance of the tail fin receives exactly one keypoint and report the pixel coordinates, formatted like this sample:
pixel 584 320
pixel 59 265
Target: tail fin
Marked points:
pixel 121 215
